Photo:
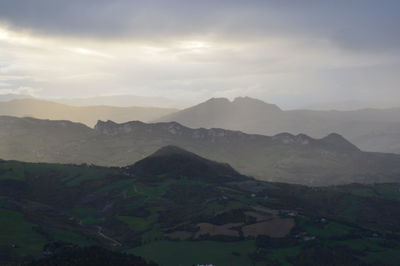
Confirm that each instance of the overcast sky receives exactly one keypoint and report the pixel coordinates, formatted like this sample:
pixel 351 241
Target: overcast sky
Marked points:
pixel 292 53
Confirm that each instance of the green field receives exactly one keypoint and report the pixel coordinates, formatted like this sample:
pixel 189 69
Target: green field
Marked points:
pixel 328 230
pixel 23 238
pixel 16 230
pixel 169 253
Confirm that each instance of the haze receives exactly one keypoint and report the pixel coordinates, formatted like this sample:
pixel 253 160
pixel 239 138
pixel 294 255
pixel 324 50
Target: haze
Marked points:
pixel 208 132
pixel 294 54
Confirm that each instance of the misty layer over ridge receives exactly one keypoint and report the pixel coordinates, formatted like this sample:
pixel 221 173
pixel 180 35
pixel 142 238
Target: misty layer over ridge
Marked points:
pixel 283 157
pixel 122 101
pixel 184 132
pixel 292 54
pixel 376 130
pixel 369 129
pixel 88 115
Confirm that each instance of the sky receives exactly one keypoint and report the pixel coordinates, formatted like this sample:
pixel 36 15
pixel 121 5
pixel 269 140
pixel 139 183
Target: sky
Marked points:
pixel 292 53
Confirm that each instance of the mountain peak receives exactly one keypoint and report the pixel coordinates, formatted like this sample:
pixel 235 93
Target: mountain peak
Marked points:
pixel 218 100
pixel 239 103
pixel 252 102
pixel 101 123
pixel 221 112
pixel 172 150
pixel 339 142
pixel 105 127
pixel 112 128
pixel 287 138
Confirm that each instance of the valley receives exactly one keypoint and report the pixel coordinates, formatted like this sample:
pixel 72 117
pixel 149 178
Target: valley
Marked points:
pixel 218 215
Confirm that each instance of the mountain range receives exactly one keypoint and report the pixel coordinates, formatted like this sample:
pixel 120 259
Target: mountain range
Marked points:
pixel 351 105
pixel 82 114
pixel 121 101
pixel 370 129
pixel 376 130
pixel 128 100
pixel 280 158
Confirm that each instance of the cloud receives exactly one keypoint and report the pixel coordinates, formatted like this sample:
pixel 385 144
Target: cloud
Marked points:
pixel 89 52
pixel 352 24
pixel 4 84
pixel 286 52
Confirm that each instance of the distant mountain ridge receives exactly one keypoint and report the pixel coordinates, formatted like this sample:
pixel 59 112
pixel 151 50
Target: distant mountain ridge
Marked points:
pixel 376 130
pixel 10 96
pixel 121 101
pixel 88 114
pixel 136 128
pixel 351 105
pixel 283 157
pixel 366 128
pixel 222 113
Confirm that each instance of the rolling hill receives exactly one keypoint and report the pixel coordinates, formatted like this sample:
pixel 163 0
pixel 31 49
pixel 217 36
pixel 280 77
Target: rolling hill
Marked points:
pixel 188 217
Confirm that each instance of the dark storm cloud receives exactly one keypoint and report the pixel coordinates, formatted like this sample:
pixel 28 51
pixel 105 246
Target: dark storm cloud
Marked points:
pixel 353 24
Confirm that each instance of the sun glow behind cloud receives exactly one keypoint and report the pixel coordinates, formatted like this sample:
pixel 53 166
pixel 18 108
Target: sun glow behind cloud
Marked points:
pixel 195 46
pixel 16 38
pixel 89 52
